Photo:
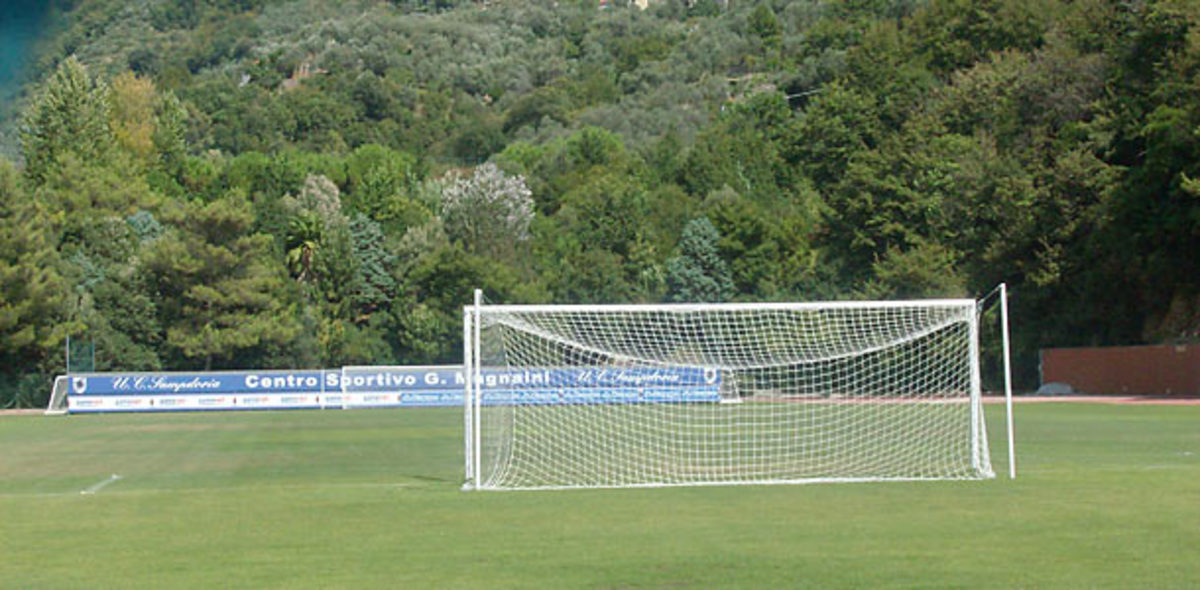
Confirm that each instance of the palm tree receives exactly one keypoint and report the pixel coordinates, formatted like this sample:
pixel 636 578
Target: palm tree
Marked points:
pixel 303 241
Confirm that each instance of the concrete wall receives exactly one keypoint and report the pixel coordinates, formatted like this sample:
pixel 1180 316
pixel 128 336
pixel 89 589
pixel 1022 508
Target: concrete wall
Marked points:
pixel 1135 370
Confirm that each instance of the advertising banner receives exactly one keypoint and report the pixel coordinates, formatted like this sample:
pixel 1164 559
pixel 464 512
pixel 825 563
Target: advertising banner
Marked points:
pixel 360 387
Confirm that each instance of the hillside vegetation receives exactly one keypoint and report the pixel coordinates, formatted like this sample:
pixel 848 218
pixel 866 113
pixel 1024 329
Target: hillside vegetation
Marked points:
pixel 210 184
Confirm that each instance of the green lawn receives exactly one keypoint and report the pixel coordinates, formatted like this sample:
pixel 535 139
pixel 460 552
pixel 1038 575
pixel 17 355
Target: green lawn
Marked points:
pixel 1109 496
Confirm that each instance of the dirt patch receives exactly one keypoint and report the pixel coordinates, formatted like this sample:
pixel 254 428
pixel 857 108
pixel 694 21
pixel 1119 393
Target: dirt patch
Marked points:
pixel 22 412
pixel 1143 400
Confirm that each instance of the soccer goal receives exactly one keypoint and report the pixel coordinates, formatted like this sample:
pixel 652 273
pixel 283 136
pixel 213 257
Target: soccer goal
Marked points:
pixel 58 396
pixel 580 396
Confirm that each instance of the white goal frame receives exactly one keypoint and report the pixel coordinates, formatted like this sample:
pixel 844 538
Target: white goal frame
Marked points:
pixel 477 315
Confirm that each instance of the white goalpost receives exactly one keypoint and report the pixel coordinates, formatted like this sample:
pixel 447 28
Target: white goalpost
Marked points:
pixel 584 396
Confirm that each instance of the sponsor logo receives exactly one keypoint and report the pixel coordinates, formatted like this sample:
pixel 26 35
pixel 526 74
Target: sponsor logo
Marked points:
pixel 164 383
pixel 79 384
pixel 87 403
pixel 640 377
pixel 432 397
pixel 600 377
pixel 255 400
pixel 537 397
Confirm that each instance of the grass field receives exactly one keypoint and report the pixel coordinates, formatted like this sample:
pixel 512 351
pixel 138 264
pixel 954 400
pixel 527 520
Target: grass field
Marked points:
pixel 1108 496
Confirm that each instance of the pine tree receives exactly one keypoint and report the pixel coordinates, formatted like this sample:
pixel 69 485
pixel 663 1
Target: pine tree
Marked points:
pixel 71 115
pixel 32 293
pixel 373 283
pixel 699 273
pixel 222 289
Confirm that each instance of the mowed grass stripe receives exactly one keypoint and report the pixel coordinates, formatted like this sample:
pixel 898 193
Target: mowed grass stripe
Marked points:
pixel 201 449
pixel 371 499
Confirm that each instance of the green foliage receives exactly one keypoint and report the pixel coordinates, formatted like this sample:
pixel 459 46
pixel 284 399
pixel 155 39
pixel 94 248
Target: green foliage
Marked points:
pixel 222 292
pixel 373 284
pixel 439 282
pixel 699 273
pixel 303 241
pixel 770 255
pixel 382 183
pixel 488 212
pixel 957 33
pixel 840 124
pixel 366 165
pixel 33 294
pixel 925 270
pixel 69 117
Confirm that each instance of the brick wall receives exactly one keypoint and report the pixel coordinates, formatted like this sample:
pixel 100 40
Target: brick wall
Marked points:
pixel 1135 370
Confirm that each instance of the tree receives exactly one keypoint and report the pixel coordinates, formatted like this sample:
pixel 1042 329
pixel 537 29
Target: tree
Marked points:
pixel 489 212
pixel 764 25
pixel 927 270
pixel 381 185
pixel 744 149
pixel 303 241
pixel 69 116
pixel 839 124
pixel 699 273
pixel 438 284
pixel 78 195
pixel 768 248
pixel 169 133
pixel 224 296
pixel 956 33
pixel 373 285
pixel 133 102
pixel 32 291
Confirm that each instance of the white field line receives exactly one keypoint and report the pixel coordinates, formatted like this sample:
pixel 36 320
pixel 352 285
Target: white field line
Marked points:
pixel 99 486
pixel 207 490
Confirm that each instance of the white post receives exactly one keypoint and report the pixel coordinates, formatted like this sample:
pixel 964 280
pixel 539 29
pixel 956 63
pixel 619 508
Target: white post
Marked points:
pixel 468 431
pixel 976 394
pixel 477 377
pixel 1012 453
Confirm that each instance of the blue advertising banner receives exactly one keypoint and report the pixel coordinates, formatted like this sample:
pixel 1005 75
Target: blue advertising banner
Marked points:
pixel 205 383
pixel 387 387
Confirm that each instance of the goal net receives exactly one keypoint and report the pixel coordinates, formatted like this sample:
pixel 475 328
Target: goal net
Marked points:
pixel 716 394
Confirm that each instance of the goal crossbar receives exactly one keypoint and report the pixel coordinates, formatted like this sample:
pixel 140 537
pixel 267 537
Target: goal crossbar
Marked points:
pixel 689 307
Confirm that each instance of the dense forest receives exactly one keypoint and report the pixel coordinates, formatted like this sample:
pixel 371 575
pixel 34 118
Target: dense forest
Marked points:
pixel 208 184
